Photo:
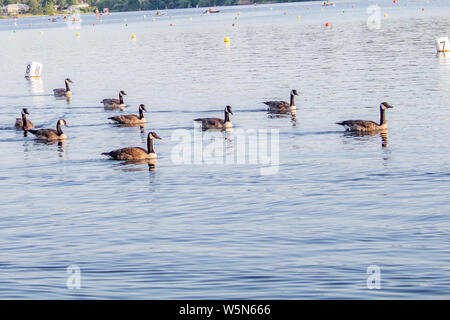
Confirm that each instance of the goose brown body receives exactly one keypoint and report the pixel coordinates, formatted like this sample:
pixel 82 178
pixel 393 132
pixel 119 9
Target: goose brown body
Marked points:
pixel 51 134
pixel 366 125
pixel 23 120
pixel 216 123
pixel 135 153
pixel 115 103
pixel 131 118
pixel 282 106
pixel 63 92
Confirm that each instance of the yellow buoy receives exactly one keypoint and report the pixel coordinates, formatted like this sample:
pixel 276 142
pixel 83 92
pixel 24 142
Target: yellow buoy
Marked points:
pixel 298 17
pixel 133 36
pixel 386 15
pixel 226 39
pixel 78 34
pixel 42 32
pixel 190 19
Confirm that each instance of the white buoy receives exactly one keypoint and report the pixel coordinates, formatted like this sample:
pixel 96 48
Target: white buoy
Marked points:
pixel 442 44
pixel 34 70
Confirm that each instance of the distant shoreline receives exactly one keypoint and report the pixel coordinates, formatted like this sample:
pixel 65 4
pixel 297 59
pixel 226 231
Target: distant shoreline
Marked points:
pixel 27 15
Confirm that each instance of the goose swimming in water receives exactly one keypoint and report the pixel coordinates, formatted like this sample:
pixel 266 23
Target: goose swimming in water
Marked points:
pixel 131 118
pixel 61 92
pixel 115 103
pixel 135 153
pixel 24 123
pixel 51 134
pixel 217 123
pixel 365 125
pixel 283 106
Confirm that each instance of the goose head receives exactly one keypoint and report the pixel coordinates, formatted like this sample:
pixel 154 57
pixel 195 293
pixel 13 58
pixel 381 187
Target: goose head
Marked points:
pixel 122 93
pixel 228 110
pixel 142 108
pixel 25 111
pixel 385 105
pixel 294 92
pixel 68 80
pixel 62 122
pixel 153 135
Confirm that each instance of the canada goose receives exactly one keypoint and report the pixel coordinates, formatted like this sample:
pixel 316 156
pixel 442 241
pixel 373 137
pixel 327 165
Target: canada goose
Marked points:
pixel 24 123
pixel 283 106
pixel 135 153
pixel 51 134
pixel 115 103
pixel 61 92
pixel 131 118
pixel 217 123
pixel 368 126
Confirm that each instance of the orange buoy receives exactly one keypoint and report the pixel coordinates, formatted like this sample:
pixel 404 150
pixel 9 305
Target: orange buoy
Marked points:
pixel 327 24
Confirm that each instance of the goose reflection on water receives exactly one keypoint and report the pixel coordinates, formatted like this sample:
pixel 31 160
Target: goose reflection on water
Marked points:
pixel 364 135
pixel 151 165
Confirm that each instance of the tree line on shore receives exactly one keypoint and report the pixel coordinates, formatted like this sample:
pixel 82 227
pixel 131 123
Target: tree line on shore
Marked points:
pixel 48 6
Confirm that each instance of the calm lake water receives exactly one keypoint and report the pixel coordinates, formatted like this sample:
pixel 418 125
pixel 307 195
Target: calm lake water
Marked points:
pixel 338 203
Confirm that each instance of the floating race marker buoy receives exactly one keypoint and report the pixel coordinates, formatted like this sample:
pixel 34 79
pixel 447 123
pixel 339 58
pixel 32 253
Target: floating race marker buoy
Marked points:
pixel 442 44
pixel 33 70
pixel 226 40
pixel 77 34
pixel 171 24
pixel 327 24
pixel 41 32
pixel 298 17
pixel 133 36
pixel 190 19
pixel 386 15
pixel 233 25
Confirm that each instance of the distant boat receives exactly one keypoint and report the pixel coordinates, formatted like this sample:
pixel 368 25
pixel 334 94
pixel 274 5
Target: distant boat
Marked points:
pixel 210 11
pixel 326 4
pixel 160 13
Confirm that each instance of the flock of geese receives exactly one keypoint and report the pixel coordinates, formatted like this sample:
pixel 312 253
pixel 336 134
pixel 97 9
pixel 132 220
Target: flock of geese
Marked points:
pixel 138 153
